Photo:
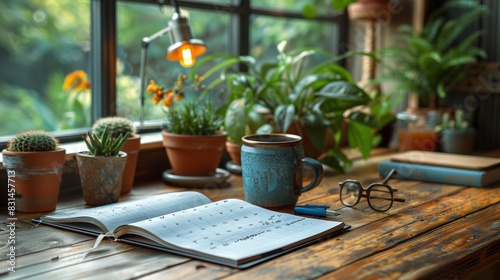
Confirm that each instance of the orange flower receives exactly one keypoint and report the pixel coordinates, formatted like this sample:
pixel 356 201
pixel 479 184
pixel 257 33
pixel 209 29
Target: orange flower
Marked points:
pixel 153 87
pixel 175 94
pixel 156 99
pixel 76 80
pixel 179 97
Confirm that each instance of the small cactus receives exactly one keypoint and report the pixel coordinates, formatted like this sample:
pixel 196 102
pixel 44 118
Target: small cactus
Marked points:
pixel 103 144
pixel 116 126
pixel 458 122
pixel 33 141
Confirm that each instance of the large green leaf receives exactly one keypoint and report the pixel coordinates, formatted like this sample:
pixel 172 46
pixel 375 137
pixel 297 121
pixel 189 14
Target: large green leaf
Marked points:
pixel 284 116
pixel 361 136
pixel 315 129
pixel 342 95
pixel 235 120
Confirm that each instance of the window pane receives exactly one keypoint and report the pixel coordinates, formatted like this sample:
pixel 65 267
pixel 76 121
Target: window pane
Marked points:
pixel 136 21
pixel 321 7
pixel 266 32
pixel 41 43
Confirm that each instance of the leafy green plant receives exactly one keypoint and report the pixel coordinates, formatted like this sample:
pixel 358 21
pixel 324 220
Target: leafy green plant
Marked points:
pixel 104 144
pixel 116 126
pixel 432 62
pixel 33 141
pixel 299 93
pixel 187 117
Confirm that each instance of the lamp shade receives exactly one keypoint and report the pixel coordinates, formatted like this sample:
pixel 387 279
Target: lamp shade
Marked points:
pixel 184 48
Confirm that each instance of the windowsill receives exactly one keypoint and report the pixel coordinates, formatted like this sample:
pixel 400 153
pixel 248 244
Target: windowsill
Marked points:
pixel 152 140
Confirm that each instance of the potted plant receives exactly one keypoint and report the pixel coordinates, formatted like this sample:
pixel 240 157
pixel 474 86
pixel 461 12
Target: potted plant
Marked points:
pixel 430 64
pixel 314 100
pixel 427 66
pixel 117 126
pixel 34 163
pixel 456 135
pixel 101 168
pixel 191 136
pixel 240 120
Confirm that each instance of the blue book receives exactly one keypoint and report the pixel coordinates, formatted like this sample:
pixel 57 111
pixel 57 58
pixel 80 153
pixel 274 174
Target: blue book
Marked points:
pixel 473 171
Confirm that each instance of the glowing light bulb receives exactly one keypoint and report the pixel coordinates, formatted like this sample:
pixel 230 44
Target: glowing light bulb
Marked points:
pixel 186 56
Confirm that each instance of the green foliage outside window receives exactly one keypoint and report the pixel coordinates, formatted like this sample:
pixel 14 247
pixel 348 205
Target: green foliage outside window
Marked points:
pixel 44 41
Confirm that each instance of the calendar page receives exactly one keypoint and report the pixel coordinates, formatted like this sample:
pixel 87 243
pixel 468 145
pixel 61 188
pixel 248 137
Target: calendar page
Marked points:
pixel 109 217
pixel 230 229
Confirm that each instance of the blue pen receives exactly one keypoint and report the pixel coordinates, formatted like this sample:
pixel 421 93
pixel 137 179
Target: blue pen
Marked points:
pixel 315 210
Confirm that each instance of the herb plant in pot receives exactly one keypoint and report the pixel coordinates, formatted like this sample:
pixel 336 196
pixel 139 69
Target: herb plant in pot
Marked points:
pixel 192 137
pixel 101 168
pixel 117 126
pixel 34 163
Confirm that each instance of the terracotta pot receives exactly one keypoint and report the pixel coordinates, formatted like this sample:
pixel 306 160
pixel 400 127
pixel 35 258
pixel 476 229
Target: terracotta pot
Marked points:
pixel 101 177
pixel 234 151
pixel 194 155
pixel 369 9
pixel 131 147
pixel 36 178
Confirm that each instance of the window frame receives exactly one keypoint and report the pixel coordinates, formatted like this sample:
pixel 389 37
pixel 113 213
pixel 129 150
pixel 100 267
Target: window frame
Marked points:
pixel 104 42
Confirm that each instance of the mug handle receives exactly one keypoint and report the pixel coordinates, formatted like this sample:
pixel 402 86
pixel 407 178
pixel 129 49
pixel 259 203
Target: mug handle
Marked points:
pixel 318 173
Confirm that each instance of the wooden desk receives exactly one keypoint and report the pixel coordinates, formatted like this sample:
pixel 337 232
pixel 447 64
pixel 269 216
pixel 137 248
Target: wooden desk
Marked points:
pixel 441 231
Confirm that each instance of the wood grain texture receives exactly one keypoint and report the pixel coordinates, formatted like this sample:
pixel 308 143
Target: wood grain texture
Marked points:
pixel 440 231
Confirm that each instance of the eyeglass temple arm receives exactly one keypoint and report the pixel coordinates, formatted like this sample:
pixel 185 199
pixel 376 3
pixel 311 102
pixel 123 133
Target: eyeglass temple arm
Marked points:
pixel 388 177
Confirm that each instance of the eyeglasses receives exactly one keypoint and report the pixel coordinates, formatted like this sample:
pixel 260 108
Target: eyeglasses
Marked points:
pixel 380 196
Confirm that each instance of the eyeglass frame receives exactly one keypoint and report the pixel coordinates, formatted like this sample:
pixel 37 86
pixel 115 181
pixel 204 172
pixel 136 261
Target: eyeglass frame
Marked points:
pixel 366 192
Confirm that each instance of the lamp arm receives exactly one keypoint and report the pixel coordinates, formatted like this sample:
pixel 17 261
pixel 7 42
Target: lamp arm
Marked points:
pixel 176 7
pixel 142 73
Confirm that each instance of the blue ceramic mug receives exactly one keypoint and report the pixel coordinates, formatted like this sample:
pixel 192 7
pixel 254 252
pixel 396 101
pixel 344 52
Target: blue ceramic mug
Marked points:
pixel 272 166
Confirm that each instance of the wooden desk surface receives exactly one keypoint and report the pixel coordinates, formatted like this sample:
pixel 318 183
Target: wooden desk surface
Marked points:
pixel 441 231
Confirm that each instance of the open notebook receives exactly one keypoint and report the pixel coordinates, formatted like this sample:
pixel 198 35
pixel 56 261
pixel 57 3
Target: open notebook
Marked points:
pixel 231 232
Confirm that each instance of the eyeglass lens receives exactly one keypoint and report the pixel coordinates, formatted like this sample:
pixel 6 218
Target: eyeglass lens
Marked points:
pixel 350 193
pixel 380 197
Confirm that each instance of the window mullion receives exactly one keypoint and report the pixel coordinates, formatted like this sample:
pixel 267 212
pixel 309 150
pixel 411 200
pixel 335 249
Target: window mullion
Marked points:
pixel 103 58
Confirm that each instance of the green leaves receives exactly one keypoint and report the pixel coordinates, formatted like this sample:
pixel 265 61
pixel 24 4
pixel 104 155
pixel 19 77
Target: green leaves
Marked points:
pixel 431 63
pixel 235 120
pixel 342 95
pixel 104 145
pixel 187 118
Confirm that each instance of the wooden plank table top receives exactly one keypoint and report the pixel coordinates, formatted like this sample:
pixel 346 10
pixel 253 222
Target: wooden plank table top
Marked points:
pixel 441 231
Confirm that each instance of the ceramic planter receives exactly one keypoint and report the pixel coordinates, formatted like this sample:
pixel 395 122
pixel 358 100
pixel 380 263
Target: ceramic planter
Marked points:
pixel 36 178
pixel 101 177
pixel 131 147
pixel 458 141
pixel 194 155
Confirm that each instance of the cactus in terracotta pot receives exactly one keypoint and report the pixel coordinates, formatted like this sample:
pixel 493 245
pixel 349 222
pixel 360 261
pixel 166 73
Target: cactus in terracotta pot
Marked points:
pixel 34 161
pixel 117 126
pixel 33 141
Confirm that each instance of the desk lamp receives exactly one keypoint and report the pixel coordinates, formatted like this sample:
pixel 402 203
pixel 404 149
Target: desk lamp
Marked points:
pixel 184 48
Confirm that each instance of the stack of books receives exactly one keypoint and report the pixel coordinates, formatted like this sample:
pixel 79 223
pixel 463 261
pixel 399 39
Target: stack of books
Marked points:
pixel 455 169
